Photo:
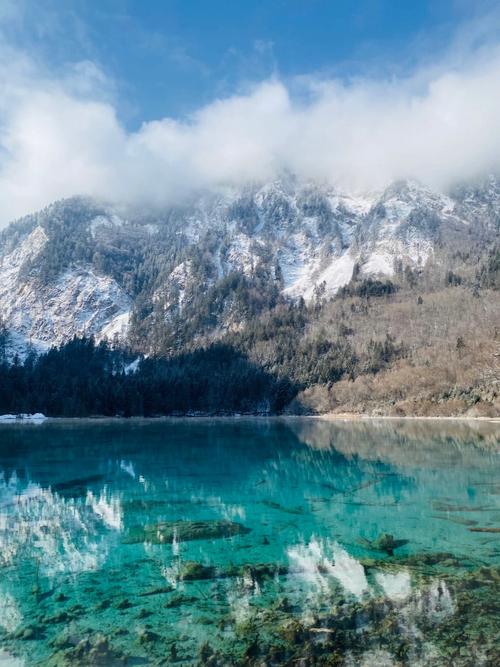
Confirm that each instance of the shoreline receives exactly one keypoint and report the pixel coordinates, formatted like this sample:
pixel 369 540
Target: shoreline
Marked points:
pixel 327 416
pixel 354 416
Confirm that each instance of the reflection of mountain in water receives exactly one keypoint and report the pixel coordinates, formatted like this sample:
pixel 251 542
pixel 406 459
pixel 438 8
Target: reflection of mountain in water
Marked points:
pixel 59 535
pixel 404 442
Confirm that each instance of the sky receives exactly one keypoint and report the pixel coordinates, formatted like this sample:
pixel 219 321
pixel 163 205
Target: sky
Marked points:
pixel 145 102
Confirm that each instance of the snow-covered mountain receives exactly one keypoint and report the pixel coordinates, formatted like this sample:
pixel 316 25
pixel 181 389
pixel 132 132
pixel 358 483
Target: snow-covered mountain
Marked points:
pixel 83 267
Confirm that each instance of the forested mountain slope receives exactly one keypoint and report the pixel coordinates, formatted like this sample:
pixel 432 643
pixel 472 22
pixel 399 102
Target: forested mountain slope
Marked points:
pixel 382 302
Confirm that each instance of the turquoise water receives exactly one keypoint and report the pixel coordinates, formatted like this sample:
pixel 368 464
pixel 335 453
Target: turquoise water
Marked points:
pixel 250 541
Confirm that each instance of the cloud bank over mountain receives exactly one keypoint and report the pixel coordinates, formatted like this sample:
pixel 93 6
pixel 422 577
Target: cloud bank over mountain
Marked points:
pixel 60 133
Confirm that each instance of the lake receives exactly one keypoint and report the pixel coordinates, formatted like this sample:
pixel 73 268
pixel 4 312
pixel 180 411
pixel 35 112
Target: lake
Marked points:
pixel 250 542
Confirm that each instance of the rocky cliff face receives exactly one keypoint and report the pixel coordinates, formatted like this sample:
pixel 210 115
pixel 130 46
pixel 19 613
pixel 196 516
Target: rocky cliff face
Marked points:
pixel 82 267
pixel 79 300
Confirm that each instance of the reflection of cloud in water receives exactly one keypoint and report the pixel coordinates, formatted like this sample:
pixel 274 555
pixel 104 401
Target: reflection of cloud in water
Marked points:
pixel 239 597
pixel 172 574
pixel 349 573
pixel 175 544
pixel 128 467
pixel 396 586
pixel 107 507
pixel 436 602
pixel 239 604
pixel 318 567
pixel 319 561
pixel 60 535
pixel 321 564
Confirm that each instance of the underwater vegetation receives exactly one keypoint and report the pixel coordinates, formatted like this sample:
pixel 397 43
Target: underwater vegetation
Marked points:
pixel 448 616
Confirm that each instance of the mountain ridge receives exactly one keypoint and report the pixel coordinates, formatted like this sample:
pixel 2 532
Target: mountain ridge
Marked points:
pixel 82 267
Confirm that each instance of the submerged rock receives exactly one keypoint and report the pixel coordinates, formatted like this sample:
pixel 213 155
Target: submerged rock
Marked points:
pixel 292 631
pixel 192 571
pixel 423 562
pixel 28 633
pixel 384 542
pixel 89 653
pixel 124 604
pixel 104 604
pixel 165 532
pixel 60 641
pixel 61 617
pixel 147 636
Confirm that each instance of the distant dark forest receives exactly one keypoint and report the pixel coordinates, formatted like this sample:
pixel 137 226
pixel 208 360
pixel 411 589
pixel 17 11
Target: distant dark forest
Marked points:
pixel 81 379
pixel 425 342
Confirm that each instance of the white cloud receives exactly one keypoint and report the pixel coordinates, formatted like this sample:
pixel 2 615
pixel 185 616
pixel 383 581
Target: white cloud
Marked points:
pixel 61 135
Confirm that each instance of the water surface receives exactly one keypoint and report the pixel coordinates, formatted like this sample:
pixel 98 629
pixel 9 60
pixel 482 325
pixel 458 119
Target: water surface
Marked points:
pixel 228 542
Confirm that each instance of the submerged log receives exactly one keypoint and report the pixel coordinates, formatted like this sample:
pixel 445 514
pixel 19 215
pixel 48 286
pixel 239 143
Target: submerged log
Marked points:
pixel 165 532
pixel 485 530
pixel 448 507
pixel 75 483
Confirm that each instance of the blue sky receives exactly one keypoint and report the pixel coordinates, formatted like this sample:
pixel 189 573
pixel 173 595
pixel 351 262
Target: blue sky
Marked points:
pixel 169 57
pixel 145 102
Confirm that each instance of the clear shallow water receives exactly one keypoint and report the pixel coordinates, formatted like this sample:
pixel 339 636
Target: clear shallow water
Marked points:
pixel 97 564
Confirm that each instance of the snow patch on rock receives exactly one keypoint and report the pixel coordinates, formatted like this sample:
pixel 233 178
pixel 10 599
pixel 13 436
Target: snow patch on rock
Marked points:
pixel 79 302
pixel 308 277
pixel 117 328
